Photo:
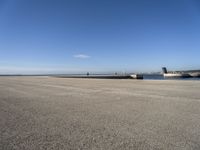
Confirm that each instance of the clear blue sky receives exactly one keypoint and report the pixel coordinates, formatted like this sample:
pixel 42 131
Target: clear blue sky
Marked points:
pixel 47 36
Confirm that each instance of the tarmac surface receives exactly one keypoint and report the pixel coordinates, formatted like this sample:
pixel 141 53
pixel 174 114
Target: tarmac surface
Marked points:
pixel 46 113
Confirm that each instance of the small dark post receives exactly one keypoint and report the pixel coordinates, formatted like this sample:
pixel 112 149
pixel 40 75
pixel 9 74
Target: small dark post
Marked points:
pixel 88 74
pixel 164 69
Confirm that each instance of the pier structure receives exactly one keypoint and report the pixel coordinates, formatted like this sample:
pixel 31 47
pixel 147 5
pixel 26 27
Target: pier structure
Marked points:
pixel 104 76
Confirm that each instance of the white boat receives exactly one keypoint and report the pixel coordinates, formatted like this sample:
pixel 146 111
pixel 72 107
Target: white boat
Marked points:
pixel 136 76
pixel 166 74
pixel 195 75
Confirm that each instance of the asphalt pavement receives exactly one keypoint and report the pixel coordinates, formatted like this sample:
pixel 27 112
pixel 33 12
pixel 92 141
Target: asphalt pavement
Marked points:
pixel 47 113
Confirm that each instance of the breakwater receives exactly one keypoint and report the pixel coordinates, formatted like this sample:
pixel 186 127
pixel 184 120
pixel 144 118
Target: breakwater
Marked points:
pixel 100 76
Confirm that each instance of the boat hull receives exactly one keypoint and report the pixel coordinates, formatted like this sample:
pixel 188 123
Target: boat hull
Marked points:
pixel 176 75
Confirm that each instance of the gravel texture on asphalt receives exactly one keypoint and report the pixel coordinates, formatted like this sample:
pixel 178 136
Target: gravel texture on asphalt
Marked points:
pixel 46 113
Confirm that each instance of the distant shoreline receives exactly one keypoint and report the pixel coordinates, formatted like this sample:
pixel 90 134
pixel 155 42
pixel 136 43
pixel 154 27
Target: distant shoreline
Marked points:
pixel 104 76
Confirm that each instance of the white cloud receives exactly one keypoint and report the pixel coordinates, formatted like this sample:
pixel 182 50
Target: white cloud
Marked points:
pixel 81 56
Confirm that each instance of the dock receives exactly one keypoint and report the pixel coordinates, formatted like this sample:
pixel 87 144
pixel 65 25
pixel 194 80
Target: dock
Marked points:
pixel 102 76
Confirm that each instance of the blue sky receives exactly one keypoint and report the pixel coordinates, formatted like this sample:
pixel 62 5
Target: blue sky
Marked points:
pixel 65 36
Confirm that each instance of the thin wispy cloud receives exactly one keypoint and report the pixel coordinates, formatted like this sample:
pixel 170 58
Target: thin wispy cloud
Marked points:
pixel 81 56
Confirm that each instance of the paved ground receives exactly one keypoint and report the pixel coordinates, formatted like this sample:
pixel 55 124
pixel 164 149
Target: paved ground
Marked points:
pixel 39 113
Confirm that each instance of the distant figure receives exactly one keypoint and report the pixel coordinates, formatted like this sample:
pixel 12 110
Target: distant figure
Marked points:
pixel 88 74
pixel 115 73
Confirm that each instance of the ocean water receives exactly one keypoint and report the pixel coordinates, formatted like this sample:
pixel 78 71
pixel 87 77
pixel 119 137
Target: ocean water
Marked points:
pixel 160 77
